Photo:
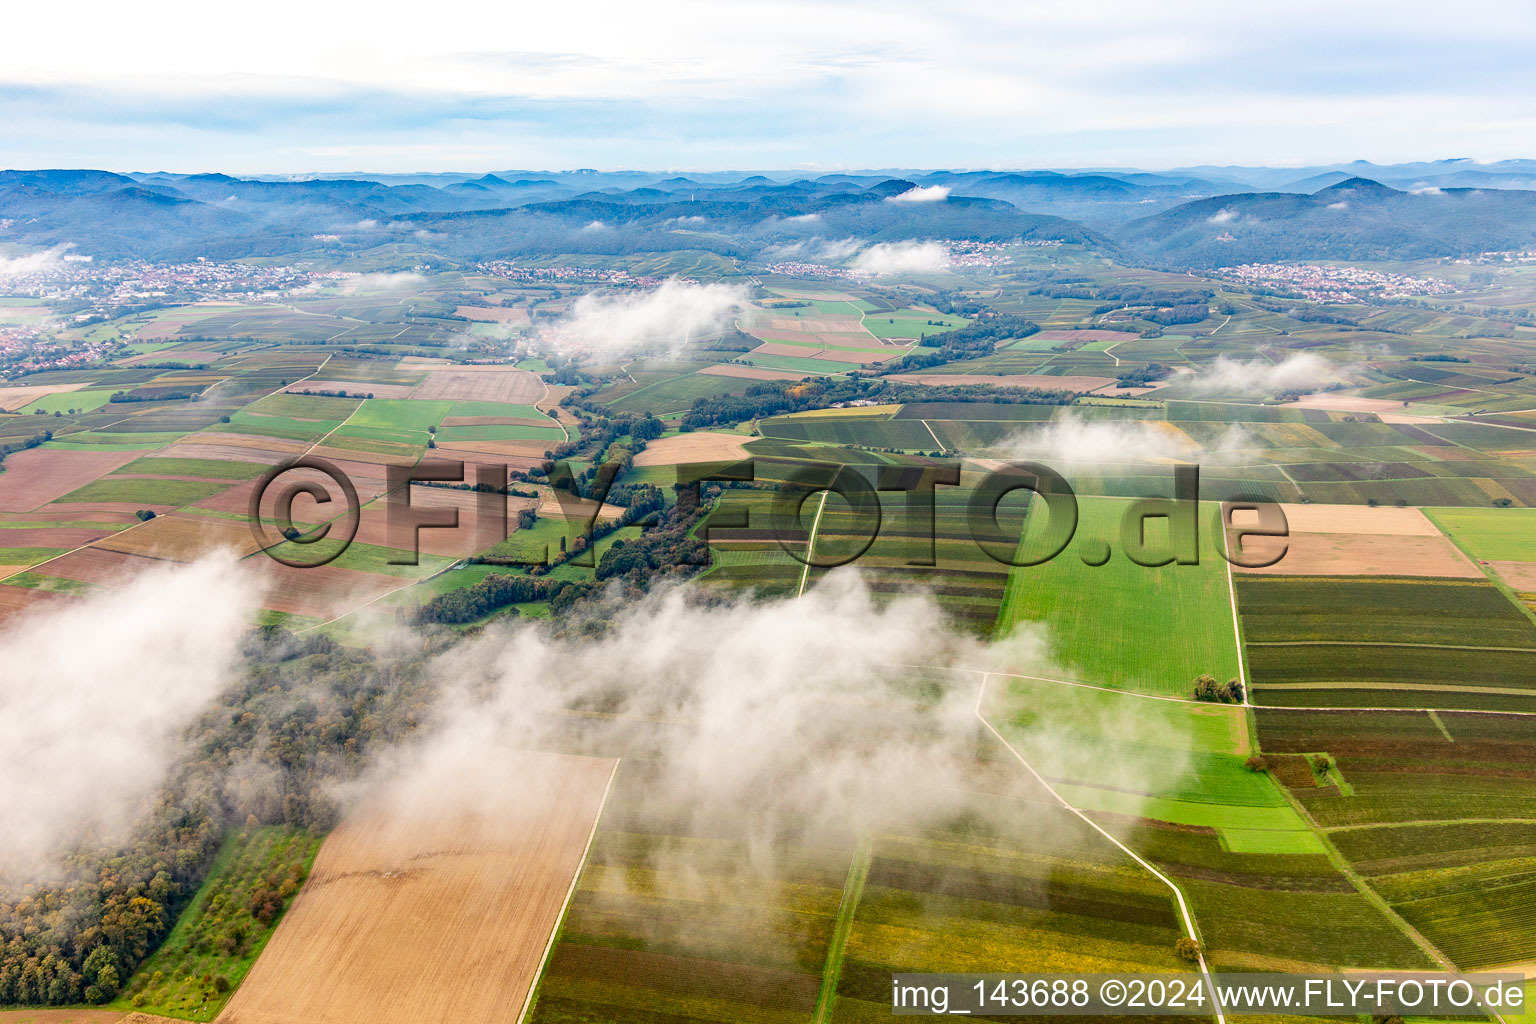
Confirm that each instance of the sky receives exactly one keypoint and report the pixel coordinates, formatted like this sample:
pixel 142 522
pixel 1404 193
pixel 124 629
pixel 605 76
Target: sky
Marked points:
pixel 291 87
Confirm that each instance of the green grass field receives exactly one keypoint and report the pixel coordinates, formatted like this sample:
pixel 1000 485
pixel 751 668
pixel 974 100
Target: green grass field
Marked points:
pixel 395 419
pixel 146 491
pixel 1175 761
pixel 1493 534
pixel 80 401
pixel 209 469
pixel 1121 624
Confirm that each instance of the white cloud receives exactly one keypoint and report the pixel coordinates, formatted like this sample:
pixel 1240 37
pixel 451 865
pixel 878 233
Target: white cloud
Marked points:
pixel 666 318
pixel 807 693
pixel 825 250
pixel 385 282
pixel 34 263
pixel 1072 441
pixel 1222 217
pixel 889 259
pixel 1298 372
pixel 95 696
pixel 928 194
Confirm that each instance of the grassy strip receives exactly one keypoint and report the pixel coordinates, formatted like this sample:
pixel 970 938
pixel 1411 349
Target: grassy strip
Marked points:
pixel 853 891
pixel 219 936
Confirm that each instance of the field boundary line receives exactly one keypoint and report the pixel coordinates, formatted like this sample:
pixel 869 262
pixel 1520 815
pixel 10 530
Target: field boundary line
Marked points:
pixel 554 933
pixel 456 563
pixel 1063 682
pixel 1386 643
pixel 1498 581
pixel 934 436
pixel 1430 823
pixel 1438 711
pixel 810 545
pixel 1237 629
pixel 1189 921
pixel 333 430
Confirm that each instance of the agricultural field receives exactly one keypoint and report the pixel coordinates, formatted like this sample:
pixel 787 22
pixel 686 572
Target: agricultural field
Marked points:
pixel 219 936
pixel 1363 799
pixel 1432 809
pixel 1117 623
pixel 1181 794
pixel 1345 641
pixel 669 917
pixel 384 888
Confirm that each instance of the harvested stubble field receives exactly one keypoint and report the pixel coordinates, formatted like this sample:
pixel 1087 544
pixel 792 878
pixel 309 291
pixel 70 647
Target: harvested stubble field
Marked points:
pixel 234 447
pixel 19 397
pixel 1357 554
pixel 323 591
pixel 96 565
pixel 751 372
pixel 352 388
pixel 182 538
pixel 423 907
pixel 483 521
pixel 700 446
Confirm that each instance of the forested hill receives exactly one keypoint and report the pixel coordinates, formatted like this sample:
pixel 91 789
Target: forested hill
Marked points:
pixel 163 216
pixel 1356 219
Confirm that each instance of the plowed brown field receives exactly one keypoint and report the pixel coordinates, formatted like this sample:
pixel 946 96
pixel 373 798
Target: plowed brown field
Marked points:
pixel 37 476
pixel 436 900
pixel 482 384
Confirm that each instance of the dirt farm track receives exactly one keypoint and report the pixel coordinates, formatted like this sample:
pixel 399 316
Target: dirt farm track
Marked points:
pixel 430 902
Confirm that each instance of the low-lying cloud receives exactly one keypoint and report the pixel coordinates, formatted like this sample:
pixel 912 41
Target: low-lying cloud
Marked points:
pixel 1073 441
pixel 803 720
pixel 890 259
pixel 33 263
pixel 663 318
pixel 921 194
pixel 826 250
pixel 1302 371
pixel 385 282
pixel 96 695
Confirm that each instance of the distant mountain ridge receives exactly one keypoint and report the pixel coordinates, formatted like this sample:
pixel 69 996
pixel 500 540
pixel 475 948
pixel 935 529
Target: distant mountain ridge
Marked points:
pixel 1357 218
pixel 1174 218
pixel 170 216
